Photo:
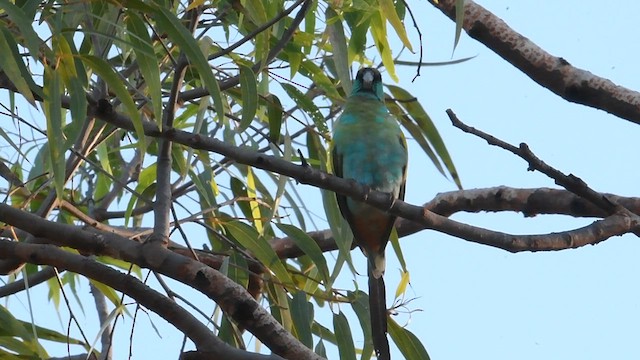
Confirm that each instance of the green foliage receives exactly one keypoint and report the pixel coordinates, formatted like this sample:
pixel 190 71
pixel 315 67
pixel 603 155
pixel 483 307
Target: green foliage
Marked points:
pixel 273 92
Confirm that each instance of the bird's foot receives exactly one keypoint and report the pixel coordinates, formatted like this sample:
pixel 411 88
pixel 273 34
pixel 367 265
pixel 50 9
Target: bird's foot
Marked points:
pixel 303 160
pixel 392 201
pixel 367 192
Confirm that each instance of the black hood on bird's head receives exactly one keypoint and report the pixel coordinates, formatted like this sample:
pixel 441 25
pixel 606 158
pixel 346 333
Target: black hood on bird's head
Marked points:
pixel 368 77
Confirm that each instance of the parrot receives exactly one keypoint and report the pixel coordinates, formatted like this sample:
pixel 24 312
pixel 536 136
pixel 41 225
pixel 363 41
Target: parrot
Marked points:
pixel 369 147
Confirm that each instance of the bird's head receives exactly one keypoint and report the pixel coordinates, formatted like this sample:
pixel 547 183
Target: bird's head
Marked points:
pixel 368 82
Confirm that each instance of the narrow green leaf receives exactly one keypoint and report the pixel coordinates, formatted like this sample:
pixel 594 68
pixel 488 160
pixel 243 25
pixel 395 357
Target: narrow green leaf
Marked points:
pixel 24 23
pixel 302 316
pixel 274 113
pixel 15 147
pixel 417 135
pixel 75 86
pixel 408 344
pixel 346 348
pixel 340 51
pixel 422 119
pixel 360 304
pixel 249 238
pixel 52 335
pixel 256 215
pixel 249 92
pixel 294 58
pixel 111 294
pixel 359 23
pixel 238 269
pixel 323 332
pixel 121 264
pixel 339 227
pixel 54 292
pixel 320 79
pixel 230 333
pixel 395 242
pixel 53 113
pixel 320 349
pixel 310 25
pixel 17 347
pixel 307 105
pixel 10 327
pixel 279 304
pixel 309 247
pixel 102 151
pixel 146 178
pixel 167 21
pixel 9 64
pixel 148 63
pixel 389 10
pixel 459 22
pixel 405 279
pixel 379 33
pixel 104 70
pixel 239 190
pixel 256 11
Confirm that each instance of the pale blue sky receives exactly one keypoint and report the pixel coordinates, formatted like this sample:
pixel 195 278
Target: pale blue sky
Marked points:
pixel 484 303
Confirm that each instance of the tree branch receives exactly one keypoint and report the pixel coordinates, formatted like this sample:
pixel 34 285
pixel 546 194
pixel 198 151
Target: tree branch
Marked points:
pixel 33 280
pixel 180 318
pixel 554 73
pixel 232 298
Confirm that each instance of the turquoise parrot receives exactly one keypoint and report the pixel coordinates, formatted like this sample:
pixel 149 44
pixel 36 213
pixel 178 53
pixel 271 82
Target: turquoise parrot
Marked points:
pixel 369 147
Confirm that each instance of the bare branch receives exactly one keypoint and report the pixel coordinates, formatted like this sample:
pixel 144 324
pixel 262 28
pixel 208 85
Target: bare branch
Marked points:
pixel 151 299
pixel 231 297
pixel 554 73
pixel 33 280
pixel 569 182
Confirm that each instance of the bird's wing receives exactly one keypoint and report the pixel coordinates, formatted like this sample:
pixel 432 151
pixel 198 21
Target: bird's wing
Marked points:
pixel 336 164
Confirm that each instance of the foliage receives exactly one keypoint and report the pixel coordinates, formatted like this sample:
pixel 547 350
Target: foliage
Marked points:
pixel 268 76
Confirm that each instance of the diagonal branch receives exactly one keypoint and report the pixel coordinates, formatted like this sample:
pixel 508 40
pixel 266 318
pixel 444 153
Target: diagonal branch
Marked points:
pixel 230 296
pixel 146 296
pixel 569 182
pixel 552 72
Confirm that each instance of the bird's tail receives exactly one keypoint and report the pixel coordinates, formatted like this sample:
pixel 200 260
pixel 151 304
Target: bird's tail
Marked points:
pixel 378 312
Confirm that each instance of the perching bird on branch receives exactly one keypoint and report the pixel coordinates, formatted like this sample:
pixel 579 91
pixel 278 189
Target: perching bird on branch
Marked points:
pixel 370 148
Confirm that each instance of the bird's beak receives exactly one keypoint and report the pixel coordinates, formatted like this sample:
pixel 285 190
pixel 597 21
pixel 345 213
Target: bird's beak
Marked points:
pixel 367 80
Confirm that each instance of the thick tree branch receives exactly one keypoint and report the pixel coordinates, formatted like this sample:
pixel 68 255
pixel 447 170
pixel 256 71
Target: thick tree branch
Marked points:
pixel 554 73
pixel 231 297
pixel 180 318
pixel 33 280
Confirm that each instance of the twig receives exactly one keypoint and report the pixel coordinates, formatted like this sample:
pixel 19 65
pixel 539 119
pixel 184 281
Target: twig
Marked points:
pixel 569 182
pixel 415 25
